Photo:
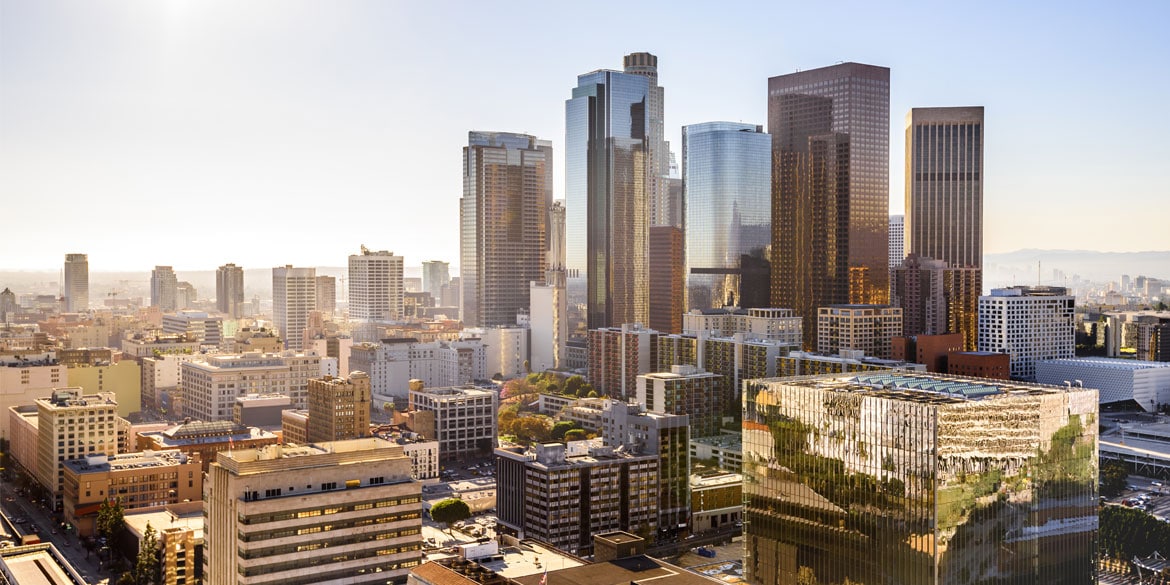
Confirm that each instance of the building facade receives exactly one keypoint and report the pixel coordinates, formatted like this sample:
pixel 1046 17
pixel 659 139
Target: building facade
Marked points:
pixel 393 363
pixel 294 296
pixel 436 274
pixel 667 278
pixel 376 287
pixel 727 186
pixel 936 298
pixel 210 387
pixel 71 425
pixel 918 478
pixel 339 408
pixel 503 218
pixel 135 480
pixel 830 203
pixel 327 295
pixel 229 290
pixel 465 418
pixel 1029 323
pixel 897 240
pixel 345 511
pixel 1144 382
pixel 702 396
pixel 617 355
pixel 76 283
pixel 666 435
pixel 867 328
pixel 607 192
pixel 164 288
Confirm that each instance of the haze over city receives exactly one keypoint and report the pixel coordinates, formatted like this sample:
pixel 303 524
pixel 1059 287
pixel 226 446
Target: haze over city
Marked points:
pixel 264 133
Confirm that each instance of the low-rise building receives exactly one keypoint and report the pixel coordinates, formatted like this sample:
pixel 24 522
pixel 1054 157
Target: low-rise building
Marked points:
pixel 1117 380
pixel 136 480
pixel 260 410
pixel 724 450
pixel 465 418
pixel 716 501
pixel 179 529
pixel 204 439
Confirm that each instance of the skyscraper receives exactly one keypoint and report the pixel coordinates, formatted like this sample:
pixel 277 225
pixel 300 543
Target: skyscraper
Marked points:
pixel 944 185
pixel 375 286
pixel 727 186
pixel 229 290
pixel 830 193
pixel 897 240
pixel 657 148
pixel 1029 323
pixel 164 288
pixel 503 222
pixel 607 190
pixel 327 294
pixel 667 279
pixel 909 478
pixel 548 316
pixel 294 295
pixel 436 274
pixel 76 282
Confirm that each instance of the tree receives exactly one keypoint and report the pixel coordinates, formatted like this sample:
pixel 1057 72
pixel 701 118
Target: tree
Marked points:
pixel 148 566
pixel 450 511
pixel 576 435
pixel 127 578
pixel 532 429
pixel 109 519
pixel 559 429
pixel 1114 476
pixel 573 385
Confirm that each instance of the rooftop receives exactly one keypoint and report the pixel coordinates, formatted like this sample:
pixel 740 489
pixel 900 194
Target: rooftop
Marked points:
pixel 921 387
pixel 187 515
pixel 1110 363
pixel 37 564
pixel 124 461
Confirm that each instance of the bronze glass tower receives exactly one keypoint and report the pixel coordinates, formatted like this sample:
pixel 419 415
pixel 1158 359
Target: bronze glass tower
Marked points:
pixel 830 188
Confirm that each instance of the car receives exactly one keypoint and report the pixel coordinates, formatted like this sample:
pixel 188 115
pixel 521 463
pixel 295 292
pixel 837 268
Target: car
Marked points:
pixel 1157 484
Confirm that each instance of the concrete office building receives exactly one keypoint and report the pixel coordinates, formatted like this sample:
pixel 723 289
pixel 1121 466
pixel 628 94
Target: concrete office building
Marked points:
pixel 1029 323
pixel 229 290
pixel 294 295
pixel 979 481
pixel 867 328
pixel 339 512
pixel 76 283
pixel 198 325
pixel 936 298
pixel 759 323
pixel 164 288
pixel 830 132
pixel 503 218
pixel 666 435
pixel 160 382
pixel 465 418
pixel 339 408
pixel 210 387
pixel 71 425
pixel 393 363
pixel 1144 382
pixel 375 287
pixel 136 480
pixel 702 396
pixel 327 295
pixel 727 185
pixel 546 494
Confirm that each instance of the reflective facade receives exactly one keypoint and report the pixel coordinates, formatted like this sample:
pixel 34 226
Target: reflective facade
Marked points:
pixel 908 478
pixel 657 148
pixel 503 218
pixel 944 184
pixel 727 186
pixel 830 204
pixel 606 192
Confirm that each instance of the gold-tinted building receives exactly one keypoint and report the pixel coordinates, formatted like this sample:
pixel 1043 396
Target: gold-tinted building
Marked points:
pixel 830 188
pixel 339 408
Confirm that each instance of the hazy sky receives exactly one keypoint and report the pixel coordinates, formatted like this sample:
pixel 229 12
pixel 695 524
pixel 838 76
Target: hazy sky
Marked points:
pixel 195 132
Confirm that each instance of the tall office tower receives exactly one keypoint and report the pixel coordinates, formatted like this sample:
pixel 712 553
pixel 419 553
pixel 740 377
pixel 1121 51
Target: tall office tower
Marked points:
pixel 944 184
pixel 76 283
pixel 436 273
pixel 164 288
pixel 185 295
pixel 936 298
pixel 897 240
pixel 503 218
pixel 1029 323
pixel 327 294
pixel 229 290
pixel 657 148
pixel 911 478
pixel 607 135
pixel 376 286
pixel 339 408
pixel 727 186
pixel 830 188
pixel 867 328
pixel 548 313
pixel 667 278
pixel 7 305
pixel 337 512
pixel 294 295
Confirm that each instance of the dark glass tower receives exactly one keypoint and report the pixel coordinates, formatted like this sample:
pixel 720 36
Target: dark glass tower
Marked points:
pixel 607 196
pixel 727 185
pixel 830 188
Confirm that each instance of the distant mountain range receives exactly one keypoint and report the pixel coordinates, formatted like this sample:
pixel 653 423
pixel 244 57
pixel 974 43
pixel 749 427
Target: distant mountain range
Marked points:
pixel 1057 267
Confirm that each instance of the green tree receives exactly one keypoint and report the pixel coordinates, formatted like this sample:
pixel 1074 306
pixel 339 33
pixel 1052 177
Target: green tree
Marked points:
pixel 148 567
pixel 576 435
pixel 109 519
pixel 573 385
pixel 450 511
pixel 127 578
pixel 1114 476
pixel 559 429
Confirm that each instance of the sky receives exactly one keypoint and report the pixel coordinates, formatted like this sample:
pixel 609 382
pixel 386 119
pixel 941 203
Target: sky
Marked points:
pixel 194 133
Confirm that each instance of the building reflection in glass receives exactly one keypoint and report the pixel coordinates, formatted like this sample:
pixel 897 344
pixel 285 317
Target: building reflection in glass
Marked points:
pixel 914 478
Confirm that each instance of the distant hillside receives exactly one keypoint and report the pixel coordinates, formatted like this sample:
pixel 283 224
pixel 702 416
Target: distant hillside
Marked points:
pixel 1062 266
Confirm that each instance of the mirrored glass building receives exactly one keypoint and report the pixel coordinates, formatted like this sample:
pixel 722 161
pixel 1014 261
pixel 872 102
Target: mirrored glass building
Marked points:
pixel 727 186
pixel 911 478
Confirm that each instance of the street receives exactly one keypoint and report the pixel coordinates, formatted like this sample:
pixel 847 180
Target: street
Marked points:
pixel 16 506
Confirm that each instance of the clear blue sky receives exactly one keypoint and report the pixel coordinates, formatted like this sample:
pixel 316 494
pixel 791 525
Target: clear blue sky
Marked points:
pixel 197 132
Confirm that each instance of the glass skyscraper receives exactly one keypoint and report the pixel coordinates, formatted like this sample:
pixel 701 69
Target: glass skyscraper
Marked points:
pixel 909 478
pixel 607 196
pixel 830 209
pixel 503 218
pixel 727 186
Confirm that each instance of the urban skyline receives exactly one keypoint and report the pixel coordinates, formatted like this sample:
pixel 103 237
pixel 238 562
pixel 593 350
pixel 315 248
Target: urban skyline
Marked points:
pixel 300 147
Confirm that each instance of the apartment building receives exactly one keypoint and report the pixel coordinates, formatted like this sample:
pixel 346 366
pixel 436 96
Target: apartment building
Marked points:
pixel 137 480
pixel 210 387
pixel 465 418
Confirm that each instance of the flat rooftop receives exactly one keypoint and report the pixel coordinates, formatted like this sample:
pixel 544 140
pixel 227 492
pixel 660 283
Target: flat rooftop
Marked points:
pixel 125 461
pixel 37 564
pixel 187 515
pixel 1109 363
pixel 921 387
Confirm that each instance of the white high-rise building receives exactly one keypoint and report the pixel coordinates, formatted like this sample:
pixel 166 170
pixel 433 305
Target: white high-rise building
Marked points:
pixel 375 287
pixel 1029 323
pixel 897 240
pixel 393 363
pixel 76 282
pixel 164 288
pixel 294 295
pixel 210 387
pixel 548 307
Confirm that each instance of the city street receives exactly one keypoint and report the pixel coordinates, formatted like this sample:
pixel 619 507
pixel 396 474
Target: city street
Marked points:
pixel 17 507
